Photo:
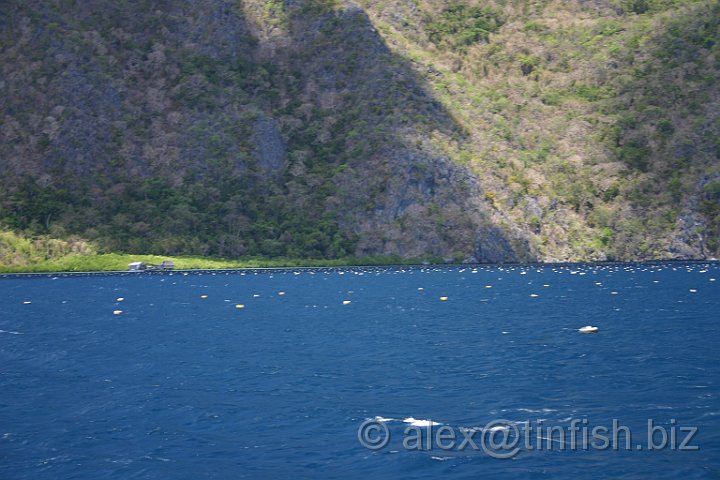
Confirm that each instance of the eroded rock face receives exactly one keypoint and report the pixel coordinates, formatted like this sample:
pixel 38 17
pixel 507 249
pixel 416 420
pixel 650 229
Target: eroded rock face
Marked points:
pixel 690 237
pixel 269 145
pixel 423 205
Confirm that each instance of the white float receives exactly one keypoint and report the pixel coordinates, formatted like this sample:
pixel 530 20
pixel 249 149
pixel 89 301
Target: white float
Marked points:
pixel 588 329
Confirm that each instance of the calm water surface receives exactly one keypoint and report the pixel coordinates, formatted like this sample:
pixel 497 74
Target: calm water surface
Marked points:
pixel 185 387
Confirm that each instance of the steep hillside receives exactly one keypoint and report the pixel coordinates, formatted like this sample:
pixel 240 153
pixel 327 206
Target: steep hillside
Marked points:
pixel 470 131
pixel 593 125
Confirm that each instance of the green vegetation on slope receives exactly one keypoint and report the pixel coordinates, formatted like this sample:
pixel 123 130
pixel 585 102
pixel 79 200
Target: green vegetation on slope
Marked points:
pixel 113 262
pixel 43 254
pixel 315 129
pixel 459 24
pixel 19 251
pixel 156 144
pixel 593 125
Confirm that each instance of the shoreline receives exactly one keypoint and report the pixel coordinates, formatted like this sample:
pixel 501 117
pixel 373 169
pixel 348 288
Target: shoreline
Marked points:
pixel 294 264
pixel 118 263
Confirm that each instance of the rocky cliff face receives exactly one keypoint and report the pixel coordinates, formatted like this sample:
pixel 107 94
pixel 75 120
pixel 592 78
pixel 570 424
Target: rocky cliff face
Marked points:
pixel 326 128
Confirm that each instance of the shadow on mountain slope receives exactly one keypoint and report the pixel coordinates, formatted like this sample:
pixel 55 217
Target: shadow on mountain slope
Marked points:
pixel 372 120
pixel 180 127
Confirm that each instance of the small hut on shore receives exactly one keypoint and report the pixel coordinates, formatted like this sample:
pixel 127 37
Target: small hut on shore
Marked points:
pixel 137 267
pixel 144 267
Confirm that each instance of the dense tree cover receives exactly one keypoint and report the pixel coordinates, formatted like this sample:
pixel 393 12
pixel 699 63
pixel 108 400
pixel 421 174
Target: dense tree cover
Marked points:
pixel 461 24
pixel 594 124
pixel 322 129
pixel 151 142
pixel 228 219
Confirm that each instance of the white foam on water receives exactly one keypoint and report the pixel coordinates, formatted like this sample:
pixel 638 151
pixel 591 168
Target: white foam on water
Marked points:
pixel 441 459
pixel 530 410
pixel 11 333
pixel 420 423
pixel 552 440
pixel 384 419
pixel 469 429
pixel 498 428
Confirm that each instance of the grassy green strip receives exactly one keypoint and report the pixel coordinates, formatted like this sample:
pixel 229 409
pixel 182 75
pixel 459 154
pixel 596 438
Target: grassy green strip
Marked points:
pixel 119 262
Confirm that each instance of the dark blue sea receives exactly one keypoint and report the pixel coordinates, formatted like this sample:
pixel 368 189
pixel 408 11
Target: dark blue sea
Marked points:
pixel 271 374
